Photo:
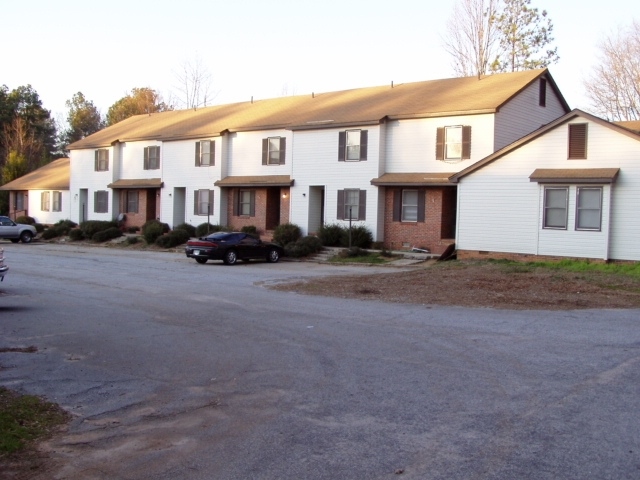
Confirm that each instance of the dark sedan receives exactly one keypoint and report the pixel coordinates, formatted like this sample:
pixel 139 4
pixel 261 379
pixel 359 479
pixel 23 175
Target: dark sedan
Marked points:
pixel 231 247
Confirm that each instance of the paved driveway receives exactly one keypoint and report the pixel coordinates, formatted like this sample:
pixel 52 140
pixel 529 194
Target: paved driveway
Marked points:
pixel 177 370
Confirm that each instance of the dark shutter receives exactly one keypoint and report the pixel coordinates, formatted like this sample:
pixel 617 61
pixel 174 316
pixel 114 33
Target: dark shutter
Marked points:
pixel 578 141
pixel 197 154
pixel 211 202
pixel 362 205
pixel 340 213
pixel 146 158
pixel 342 145
pixel 440 143
pixel 265 151
pixel 283 149
pixel 422 194
pixel 212 152
pixel 364 137
pixel 236 202
pixel 95 202
pixel 397 205
pixel 196 210
pixel 96 161
pixel 252 208
pixel 466 142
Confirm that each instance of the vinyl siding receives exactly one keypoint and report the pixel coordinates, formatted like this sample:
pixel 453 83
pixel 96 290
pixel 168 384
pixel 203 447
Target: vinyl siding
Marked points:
pixel 50 217
pixel 522 115
pixel 500 210
pixel 84 176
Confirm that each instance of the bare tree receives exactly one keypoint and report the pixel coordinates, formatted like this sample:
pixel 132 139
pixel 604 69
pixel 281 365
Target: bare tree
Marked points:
pixel 194 83
pixel 20 138
pixel 472 36
pixel 614 84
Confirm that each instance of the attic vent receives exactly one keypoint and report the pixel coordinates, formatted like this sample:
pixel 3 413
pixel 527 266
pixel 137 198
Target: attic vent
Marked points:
pixel 577 141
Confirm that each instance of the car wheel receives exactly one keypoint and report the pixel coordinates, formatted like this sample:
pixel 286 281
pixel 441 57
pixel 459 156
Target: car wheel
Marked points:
pixel 15 240
pixel 201 260
pixel 230 257
pixel 26 237
pixel 273 256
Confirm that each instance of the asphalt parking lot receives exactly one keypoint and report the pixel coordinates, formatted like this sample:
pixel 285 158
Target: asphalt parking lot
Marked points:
pixel 177 370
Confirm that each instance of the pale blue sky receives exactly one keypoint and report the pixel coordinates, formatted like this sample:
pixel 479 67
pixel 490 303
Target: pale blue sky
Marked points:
pixel 261 48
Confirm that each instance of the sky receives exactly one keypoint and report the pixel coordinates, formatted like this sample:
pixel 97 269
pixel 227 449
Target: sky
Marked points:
pixel 259 48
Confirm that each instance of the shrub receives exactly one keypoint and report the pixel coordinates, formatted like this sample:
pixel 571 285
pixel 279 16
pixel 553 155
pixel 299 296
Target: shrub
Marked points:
pixel 152 229
pixel 76 234
pixel 173 238
pixel 250 229
pixel 64 226
pixel 205 229
pixel 50 233
pixel 133 229
pixel 108 234
pixel 39 227
pixel 353 252
pixel 26 219
pixel 132 240
pixel 331 234
pixel 91 227
pixel 303 247
pixel 360 237
pixel 190 229
pixel 286 233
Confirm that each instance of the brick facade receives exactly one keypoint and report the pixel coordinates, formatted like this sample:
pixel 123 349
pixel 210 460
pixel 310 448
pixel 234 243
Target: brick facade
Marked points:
pixel 436 233
pixel 271 210
pixel 148 207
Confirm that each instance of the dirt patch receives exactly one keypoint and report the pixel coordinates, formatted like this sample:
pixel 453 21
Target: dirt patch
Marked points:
pixel 482 284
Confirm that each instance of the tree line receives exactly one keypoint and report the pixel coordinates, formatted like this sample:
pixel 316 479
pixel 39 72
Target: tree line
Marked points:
pixel 483 37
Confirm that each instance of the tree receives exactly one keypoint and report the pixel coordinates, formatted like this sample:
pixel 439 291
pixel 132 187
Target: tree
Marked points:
pixel 490 36
pixel 524 34
pixel 83 119
pixel 140 101
pixel 194 82
pixel 614 84
pixel 472 37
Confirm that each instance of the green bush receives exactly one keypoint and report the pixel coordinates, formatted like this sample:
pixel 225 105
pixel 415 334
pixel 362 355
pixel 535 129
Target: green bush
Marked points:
pixel 331 234
pixel 25 219
pixel 303 247
pixel 39 227
pixel 52 232
pixel 286 233
pixel 76 234
pixel 132 240
pixel 353 252
pixel 108 234
pixel 173 238
pixel 63 227
pixel 360 237
pixel 205 229
pixel 152 229
pixel 133 229
pixel 190 229
pixel 91 227
pixel 250 229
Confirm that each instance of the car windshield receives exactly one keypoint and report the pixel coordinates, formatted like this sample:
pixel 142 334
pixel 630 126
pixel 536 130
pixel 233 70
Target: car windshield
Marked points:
pixel 220 236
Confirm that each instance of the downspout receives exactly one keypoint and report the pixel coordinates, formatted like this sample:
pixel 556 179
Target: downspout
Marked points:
pixel 608 235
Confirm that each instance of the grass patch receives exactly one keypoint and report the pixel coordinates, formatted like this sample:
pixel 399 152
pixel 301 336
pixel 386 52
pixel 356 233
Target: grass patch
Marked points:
pixel 25 419
pixel 368 259
pixel 578 266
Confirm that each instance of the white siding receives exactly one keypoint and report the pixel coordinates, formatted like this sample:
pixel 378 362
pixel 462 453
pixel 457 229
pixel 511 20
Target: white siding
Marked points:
pixel 245 154
pixel 411 144
pixel 130 164
pixel 50 217
pixel 84 176
pixel 500 209
pixel 316 164
pixel 523 114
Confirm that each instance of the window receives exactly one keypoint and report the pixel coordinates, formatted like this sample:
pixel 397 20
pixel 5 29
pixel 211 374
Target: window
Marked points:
pixel 102 160
pixel 19 201
pixel 45 201
pixel 577 141
pixel 409 205
pixel 542 97
pixel 246 203
pixel 203 202
pixel 151 158
pixel 352 204
pixel 205 153
pixel 132 201
pixel 101 201
pixel 589 208
pixel 57 201
pixel 555 207
pixel 273 150
pixel 352 145
pixel 453 143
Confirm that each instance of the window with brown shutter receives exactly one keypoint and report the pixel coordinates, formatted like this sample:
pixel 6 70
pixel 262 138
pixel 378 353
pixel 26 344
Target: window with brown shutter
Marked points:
pixel 453 143
pixel 352 145
pixel 577 141
pixel 205 153
pixel 273 150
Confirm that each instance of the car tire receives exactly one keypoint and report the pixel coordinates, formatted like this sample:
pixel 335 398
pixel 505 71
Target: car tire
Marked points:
pixel 201 260
pixel 273 256
pixel 15 240
pixel 230 257
pixel 26 237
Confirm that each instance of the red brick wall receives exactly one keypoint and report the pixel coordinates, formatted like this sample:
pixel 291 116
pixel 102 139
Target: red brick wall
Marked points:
pixel 260 219
pixel 139 219
pixel 435 233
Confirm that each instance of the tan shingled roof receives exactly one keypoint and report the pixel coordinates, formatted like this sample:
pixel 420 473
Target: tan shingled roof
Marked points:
pixel 581 175
pixel 255 181
pixel 630 124
pixel 417 179
pixel 53 176
pixel 137 183
pixel 361 106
